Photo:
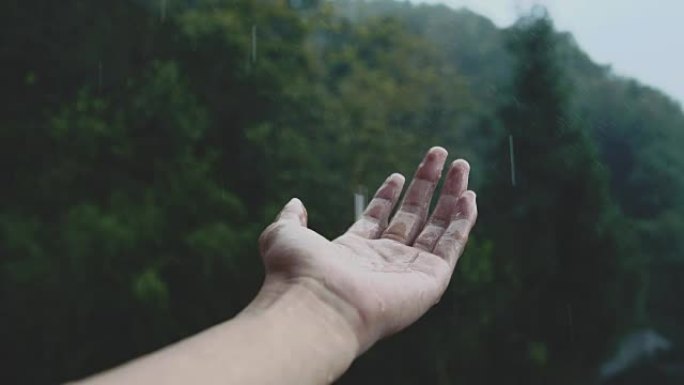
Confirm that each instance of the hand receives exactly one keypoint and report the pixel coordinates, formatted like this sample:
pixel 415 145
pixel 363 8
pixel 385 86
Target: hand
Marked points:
pixel 379 276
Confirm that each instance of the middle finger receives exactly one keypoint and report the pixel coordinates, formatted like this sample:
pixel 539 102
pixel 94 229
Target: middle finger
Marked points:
pixel 413 211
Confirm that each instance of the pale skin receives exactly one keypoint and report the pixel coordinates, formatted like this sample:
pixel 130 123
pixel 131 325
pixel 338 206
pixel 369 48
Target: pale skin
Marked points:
pixel 323 302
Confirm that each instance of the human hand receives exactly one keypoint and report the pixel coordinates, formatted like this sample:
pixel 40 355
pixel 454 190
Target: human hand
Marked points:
pixel 379 277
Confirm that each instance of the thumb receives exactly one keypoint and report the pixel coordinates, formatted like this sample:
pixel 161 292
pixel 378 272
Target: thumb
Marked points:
pixel 294 212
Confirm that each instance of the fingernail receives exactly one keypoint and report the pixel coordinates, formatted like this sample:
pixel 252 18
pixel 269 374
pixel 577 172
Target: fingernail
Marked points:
pixel 438 149
pixel 395 176
pixel 461 163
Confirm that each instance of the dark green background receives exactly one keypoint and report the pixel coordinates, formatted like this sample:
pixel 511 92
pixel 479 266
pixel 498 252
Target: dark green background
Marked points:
pixel 145 144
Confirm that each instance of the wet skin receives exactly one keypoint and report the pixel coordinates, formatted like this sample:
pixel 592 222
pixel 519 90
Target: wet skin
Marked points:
pixel 381 274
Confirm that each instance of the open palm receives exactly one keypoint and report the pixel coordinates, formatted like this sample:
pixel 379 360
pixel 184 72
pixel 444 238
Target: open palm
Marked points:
pixel 388 272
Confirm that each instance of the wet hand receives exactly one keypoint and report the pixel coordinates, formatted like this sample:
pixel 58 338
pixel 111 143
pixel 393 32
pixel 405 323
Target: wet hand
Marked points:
pixel 381 275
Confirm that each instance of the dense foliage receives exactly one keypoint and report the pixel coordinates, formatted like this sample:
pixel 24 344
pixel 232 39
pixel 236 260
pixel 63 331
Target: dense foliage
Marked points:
pixel 145 144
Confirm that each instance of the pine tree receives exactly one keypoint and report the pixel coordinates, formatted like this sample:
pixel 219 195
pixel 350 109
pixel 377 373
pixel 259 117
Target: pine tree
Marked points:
pixel 557 243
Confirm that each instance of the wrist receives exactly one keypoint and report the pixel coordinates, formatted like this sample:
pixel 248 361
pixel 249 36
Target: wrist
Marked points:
pixel 310 296
pixel 314 318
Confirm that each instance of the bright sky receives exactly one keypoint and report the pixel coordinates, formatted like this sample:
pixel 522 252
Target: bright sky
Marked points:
pixel 638 38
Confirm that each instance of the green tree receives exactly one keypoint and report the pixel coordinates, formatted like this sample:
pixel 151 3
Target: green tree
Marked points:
pixel 560 247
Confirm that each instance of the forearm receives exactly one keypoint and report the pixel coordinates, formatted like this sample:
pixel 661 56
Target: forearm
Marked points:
pixel 288 335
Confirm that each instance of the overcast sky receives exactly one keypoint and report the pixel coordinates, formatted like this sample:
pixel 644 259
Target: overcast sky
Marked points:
pixel 641 39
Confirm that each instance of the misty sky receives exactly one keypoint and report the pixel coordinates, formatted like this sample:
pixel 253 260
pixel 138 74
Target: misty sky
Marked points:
pixel 638 38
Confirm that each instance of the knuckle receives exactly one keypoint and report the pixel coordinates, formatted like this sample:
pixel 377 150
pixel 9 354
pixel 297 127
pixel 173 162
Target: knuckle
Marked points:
pixel 457 236
pixel 394 237
pixel 413 208
pixel 427 239
pixel 366 227
pixel 378 208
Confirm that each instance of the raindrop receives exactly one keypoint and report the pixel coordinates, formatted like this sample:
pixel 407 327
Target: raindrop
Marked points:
pixel 162 10
pixel 254 43
pixel 99 76
pixel 569 308
pixel 512 156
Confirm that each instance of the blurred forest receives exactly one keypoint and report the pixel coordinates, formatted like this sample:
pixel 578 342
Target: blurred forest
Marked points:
pixel 145 144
